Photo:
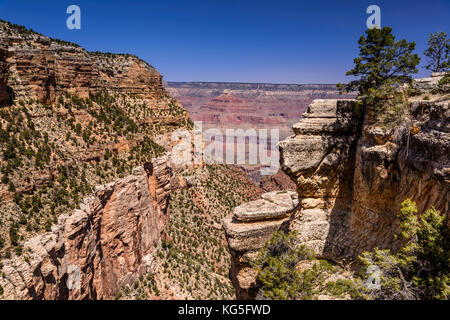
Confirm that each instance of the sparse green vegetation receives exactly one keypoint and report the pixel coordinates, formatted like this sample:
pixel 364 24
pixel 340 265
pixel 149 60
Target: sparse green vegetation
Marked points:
pixel 421 268
pixel 438 52
pixel 279 275
pixel 53 155
pixel 384 65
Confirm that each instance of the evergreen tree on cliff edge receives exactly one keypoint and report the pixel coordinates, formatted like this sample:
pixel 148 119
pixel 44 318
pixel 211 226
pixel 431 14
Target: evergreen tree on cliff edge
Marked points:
pixel 382 61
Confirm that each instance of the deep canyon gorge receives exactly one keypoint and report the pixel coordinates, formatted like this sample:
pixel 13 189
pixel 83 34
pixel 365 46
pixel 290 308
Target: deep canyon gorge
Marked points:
pixel 94 207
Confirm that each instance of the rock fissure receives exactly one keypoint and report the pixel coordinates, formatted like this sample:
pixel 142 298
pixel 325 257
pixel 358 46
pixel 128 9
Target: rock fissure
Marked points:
pixel 351 175
pixel 103 238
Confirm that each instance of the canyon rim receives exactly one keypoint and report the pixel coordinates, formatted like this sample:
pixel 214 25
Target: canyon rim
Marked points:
pixel 110 189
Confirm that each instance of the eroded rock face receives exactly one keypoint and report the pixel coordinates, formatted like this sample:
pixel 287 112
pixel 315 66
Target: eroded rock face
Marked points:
pixel 248 229
pixel 409 161
pixel 431 84
pixel 4 96
pixel 40 68
pixel 95 249
pixel 351 182
pixel 320 160
pixel 279 181
pixel 352 174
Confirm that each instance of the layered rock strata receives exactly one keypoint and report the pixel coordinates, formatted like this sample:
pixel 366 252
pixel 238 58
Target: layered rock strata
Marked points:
pixel 352 175
pixel 319 158
pixel 4 96
pixel 353 171
pixel 410 160
pixel 431 84
pixel 248 229
pixel 249 106
pixel 40 67
pixel 106 243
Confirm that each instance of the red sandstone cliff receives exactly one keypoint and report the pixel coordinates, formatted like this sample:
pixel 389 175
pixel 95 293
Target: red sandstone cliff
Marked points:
pixel 40 67
pixel 109 241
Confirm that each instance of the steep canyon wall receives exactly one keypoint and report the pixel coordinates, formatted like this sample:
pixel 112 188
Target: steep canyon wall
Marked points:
pixel 352 173
pixel 106 243
pixel 39 67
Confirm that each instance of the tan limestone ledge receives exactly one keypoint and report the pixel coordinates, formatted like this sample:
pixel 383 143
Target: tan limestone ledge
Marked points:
pixel 276 204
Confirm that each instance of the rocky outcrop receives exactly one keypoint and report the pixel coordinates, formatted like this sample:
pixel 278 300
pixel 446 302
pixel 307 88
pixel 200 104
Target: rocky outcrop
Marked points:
pixel 40 67
pixel 430 85
pixel 234 105
pixel 106 243
pixel 4 96
pixel 319 158
pixel 352 173
pixel 411 160
pixel 248 229
pixel 249 105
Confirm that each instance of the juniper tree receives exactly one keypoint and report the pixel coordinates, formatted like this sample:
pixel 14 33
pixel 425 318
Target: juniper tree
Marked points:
pixel 438 52
pixel 382 61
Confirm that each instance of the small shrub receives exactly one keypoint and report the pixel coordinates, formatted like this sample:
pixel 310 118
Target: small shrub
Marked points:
pixel 277 274
pixel 421 268
pixel 342 287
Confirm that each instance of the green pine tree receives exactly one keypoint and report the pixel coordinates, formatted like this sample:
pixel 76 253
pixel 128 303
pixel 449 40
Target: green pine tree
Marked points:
pixel 421 268
pixel 438 52
pixel 381 61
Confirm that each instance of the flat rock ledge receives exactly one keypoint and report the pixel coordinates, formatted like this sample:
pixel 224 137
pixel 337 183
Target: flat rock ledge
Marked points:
pixel 276 204
pixel 248 229
pixel 431 84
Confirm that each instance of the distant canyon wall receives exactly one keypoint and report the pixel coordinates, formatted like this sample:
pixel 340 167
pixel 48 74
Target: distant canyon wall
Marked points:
pixel 248 105
pixel 352 173
pixel 258 106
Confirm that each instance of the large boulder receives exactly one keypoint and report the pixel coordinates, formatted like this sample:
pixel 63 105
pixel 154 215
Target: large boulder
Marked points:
pixel 248 229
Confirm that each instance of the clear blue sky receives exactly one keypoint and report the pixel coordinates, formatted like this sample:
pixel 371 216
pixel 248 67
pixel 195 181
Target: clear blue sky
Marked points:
pixel 240 41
